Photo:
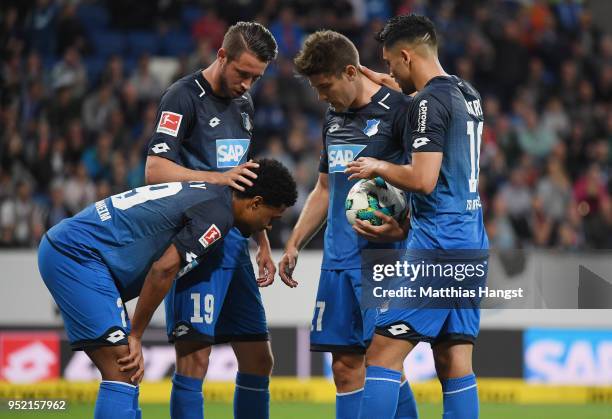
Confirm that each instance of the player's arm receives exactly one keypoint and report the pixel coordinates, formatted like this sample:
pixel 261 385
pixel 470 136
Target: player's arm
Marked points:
pixel 156 285
pixel 312 218
pixel 161 170
pixel 428 119
pixel 421 176
pixel 175 123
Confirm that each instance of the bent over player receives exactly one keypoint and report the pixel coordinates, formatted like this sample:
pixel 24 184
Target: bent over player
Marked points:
pixel 204 133
pixel 363 119
pixel 446 123
pixel 135 244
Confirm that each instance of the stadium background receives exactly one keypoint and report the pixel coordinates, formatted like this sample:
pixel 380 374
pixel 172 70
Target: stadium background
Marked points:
pixel 80 85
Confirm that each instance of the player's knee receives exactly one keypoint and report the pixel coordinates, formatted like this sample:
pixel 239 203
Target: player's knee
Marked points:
pixel 194 364
pixel 452 365
pixel 256 363
pixel 349 372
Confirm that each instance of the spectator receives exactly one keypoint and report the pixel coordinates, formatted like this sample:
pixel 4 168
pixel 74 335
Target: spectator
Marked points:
pixel 70 70
pixel 535 138
pixel 79 190
pixel 98 107
pixel 147 86
pixel 19 218
pixel 58 210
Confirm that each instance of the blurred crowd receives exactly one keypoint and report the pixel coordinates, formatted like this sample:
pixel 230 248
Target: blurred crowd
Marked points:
pixel 81 81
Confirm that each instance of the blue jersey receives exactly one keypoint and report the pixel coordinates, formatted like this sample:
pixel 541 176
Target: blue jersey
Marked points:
pixel 131 230
pixel 375 130
pixel 201 131
pixel 446 116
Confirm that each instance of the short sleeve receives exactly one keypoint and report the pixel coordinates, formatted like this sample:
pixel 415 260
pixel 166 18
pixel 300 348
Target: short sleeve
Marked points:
pixel 401 128
pixel 174 120
pixel 323 159
pixel 206 224
pixel 429 122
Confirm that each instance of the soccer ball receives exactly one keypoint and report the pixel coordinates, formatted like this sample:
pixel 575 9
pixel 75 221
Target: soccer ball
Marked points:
pixel 370 195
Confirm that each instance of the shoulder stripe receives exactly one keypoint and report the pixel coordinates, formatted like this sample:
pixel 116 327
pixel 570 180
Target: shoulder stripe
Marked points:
pixel 201 88
pixel 381 102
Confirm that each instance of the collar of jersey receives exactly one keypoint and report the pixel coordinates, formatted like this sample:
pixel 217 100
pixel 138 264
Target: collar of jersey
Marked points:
pixel 449 78
pixel 208 88
pixel 375 98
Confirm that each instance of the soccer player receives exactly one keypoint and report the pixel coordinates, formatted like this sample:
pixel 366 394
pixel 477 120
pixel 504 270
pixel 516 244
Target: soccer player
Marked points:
pixel 204 132
pixel 135 244
pixel 364 119
pixel 446 120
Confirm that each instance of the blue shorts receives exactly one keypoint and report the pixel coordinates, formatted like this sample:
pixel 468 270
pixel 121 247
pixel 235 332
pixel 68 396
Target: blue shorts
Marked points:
pixel 433 325
pixel 83 289
pixel 215 304
pixel 339 324
pixel 455 320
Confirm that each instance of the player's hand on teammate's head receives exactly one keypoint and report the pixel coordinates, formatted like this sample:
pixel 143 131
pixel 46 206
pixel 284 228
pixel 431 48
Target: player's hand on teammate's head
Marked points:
pixel 267 270
pixel 380 78
pixel 134 361
pixel 286 267
pixel 362 168
pixel 390 231
pixel 239 176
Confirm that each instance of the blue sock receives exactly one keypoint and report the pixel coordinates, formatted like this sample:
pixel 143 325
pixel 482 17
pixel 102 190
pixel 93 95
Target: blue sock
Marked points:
pixel 252 397
pixel 406 405
pixel 115 400
pixel 460 397
pixel 186 399
pixel 380 393
pixel 347 404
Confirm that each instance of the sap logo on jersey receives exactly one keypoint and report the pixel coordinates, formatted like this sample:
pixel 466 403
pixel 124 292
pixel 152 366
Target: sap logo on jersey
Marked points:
pixel 230 152
pixel 340 155
pixel 556 356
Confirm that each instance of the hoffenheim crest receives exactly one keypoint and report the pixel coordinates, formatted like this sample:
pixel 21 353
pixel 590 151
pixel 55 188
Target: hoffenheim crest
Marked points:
pixel 371 127
pixel 246 121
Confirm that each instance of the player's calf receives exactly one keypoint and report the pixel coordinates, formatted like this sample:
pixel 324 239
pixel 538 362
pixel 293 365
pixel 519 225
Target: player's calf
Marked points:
pixel 252 395
pixel 117 396
pixel 453 360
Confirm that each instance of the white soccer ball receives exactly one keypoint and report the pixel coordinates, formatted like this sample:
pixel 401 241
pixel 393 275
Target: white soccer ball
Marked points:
pixel 370 195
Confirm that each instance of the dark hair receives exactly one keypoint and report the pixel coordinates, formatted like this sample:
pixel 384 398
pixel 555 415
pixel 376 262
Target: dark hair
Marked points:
pixel 274 184
pixel 252 37
pixel 326 52
pixel 409 28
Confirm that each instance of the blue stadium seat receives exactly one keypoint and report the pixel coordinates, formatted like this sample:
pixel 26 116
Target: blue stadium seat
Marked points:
pixel 176 43
pixel 95 67
pixel 141 41
pixel 93 17
pixel 107 43
pixel 190 14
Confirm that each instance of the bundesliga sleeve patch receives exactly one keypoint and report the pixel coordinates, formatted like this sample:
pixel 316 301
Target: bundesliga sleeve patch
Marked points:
pixel 169 123
pixel 210 236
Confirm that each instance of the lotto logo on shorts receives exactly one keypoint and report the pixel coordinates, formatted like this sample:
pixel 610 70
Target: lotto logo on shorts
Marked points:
pixel 169 123
pixel 212 235
pixel 230 152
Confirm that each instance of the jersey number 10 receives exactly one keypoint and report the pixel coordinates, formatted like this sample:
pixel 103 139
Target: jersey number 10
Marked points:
pixel 474 131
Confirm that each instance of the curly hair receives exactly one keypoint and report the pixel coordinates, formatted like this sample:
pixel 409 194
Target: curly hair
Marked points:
pixel 408 28
pixel 326 52
pixel 274 184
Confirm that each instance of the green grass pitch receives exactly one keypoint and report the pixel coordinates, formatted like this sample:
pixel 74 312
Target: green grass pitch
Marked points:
pixel 324 411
